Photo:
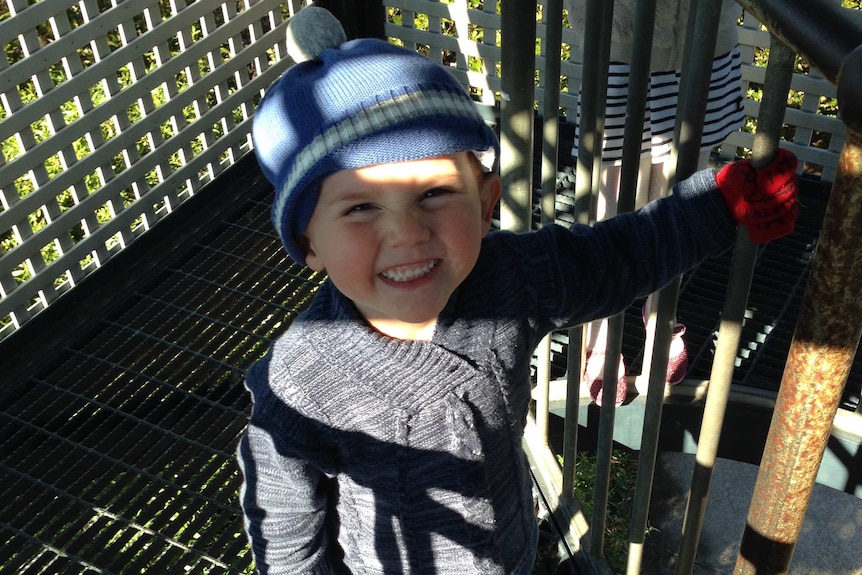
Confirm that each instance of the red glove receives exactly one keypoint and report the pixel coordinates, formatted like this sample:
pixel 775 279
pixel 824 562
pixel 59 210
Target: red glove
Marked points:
pixel 764 201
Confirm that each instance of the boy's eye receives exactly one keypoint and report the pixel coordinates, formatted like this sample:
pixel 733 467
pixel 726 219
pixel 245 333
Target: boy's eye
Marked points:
pixel 435 192
pixel 357 209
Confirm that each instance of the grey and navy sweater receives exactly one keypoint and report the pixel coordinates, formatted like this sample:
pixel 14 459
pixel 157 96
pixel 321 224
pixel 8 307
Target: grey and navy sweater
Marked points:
pixel 368 455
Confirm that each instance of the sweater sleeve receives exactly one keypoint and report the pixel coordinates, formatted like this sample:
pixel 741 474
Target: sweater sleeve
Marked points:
pixel 284 508
pixel 285 498
pixel 599 270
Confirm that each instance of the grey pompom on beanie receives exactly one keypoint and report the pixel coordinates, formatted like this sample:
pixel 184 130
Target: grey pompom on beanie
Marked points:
pixel 350 104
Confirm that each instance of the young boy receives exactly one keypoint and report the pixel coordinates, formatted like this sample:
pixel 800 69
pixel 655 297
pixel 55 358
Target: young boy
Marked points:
pixel 386 430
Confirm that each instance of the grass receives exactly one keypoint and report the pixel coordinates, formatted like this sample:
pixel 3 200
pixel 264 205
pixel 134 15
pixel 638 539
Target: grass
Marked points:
pixel 621 491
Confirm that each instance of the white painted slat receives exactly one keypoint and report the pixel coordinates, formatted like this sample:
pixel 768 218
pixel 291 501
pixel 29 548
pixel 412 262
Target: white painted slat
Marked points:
pixel 116 106
pixel 205 142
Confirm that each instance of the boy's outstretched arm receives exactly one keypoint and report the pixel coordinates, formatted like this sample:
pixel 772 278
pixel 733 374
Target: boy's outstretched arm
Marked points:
pixel 604 267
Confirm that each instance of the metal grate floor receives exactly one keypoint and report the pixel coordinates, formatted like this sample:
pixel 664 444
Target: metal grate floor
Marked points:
pixel 118 451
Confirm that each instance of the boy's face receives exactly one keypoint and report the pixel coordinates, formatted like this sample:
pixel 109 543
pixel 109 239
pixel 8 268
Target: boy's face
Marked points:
pixel 398 238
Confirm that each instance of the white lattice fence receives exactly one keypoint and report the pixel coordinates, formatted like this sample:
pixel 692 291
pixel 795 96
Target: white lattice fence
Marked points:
pixel 115 112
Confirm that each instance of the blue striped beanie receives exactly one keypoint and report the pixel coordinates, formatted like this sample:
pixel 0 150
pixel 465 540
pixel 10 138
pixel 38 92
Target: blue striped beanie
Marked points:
pixel 351 104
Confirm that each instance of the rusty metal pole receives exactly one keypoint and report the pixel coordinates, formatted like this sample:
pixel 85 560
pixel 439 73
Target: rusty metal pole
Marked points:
pixel 821 354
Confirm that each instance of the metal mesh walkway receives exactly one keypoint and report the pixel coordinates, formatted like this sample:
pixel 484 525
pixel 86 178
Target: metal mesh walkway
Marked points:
pixel 118 447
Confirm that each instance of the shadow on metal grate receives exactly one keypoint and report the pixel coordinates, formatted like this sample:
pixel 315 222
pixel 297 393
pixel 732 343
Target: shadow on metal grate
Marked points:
pixel 118 445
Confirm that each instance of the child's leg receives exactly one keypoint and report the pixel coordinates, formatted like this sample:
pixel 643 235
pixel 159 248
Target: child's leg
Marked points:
pixel 659 186
pixel 596 333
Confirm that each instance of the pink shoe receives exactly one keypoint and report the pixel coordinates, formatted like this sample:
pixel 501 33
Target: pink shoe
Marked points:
pixel 593 368
pixel 677 363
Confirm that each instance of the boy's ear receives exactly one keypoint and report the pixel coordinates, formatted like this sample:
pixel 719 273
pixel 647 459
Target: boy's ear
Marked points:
pixel 491 189
pixel 312 260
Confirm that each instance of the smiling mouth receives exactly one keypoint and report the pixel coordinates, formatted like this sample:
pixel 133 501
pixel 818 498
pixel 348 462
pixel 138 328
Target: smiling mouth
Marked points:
pixel 403 274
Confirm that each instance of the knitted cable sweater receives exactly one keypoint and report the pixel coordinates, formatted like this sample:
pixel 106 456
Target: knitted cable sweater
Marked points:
pixel 368 455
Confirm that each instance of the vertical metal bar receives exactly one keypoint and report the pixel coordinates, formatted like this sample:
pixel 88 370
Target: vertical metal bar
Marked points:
pixel 639 73
pixel 543 386
pixel 575 341
pixel 551 46
pixel 635 116
pixel 632 138
pixel 688 128
pixel 701 33
pixel 592 97
pixel 552 17
pixel 819 361
pixel 775 87
pixel 573 390
pixel 694 88
pixel 697 66
pixel 518 55
pixel 597 37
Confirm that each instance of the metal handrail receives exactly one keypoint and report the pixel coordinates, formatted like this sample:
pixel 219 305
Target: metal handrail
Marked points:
pixel 818 30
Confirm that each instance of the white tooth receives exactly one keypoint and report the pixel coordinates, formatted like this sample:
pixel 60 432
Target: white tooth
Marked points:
pixel 408 275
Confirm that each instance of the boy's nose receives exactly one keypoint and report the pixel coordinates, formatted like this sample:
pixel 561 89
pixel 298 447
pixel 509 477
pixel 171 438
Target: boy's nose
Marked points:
pixel 406 229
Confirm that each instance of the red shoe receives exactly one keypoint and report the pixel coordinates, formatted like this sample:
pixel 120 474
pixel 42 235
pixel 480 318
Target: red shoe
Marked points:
pixel 593 368
pixel 677 363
